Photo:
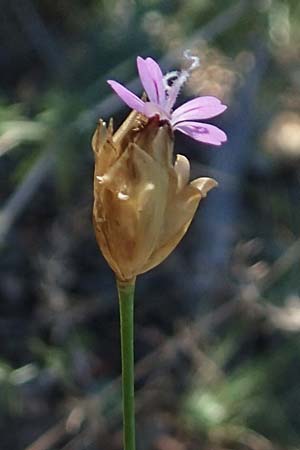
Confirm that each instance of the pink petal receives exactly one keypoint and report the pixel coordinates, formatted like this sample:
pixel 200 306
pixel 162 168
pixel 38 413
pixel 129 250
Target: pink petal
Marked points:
pixel 127 96
pixel 152 80
pixel 197 109
pixel 202 132
pixel 153 109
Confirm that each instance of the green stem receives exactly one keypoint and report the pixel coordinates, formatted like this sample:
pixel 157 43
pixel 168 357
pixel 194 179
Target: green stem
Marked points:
pixel 126 302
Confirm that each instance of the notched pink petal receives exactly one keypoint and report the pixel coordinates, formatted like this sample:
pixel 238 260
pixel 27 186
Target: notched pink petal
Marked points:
pixel 127 96
pixel 197 109
pixel 202 132
pixel 152 79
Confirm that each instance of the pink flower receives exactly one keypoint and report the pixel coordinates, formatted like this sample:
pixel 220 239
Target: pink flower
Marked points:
pixel 162 97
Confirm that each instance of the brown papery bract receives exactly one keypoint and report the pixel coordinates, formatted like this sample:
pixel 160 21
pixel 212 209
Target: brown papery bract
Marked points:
pixel 143 202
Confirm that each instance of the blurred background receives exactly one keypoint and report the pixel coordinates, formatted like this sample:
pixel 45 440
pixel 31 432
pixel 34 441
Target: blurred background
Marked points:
pixel 218 323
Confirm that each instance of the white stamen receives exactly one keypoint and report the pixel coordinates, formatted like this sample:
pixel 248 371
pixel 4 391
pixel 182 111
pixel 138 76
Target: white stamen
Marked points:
pixel 169 76
pixel 180 78
pixel 195 60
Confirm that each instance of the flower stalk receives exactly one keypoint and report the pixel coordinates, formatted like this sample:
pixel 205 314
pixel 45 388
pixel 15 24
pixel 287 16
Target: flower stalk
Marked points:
pixel 144 200
pixel 126 303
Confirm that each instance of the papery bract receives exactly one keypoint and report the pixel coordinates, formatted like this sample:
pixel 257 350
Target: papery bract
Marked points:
pixel 143 202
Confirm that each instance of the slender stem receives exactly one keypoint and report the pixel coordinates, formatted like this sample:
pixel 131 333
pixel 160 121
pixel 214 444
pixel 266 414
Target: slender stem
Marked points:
pixel 126 302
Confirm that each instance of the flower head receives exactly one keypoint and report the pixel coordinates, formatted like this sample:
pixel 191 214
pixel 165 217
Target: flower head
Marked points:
pixel 143 201
pixel 162 92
